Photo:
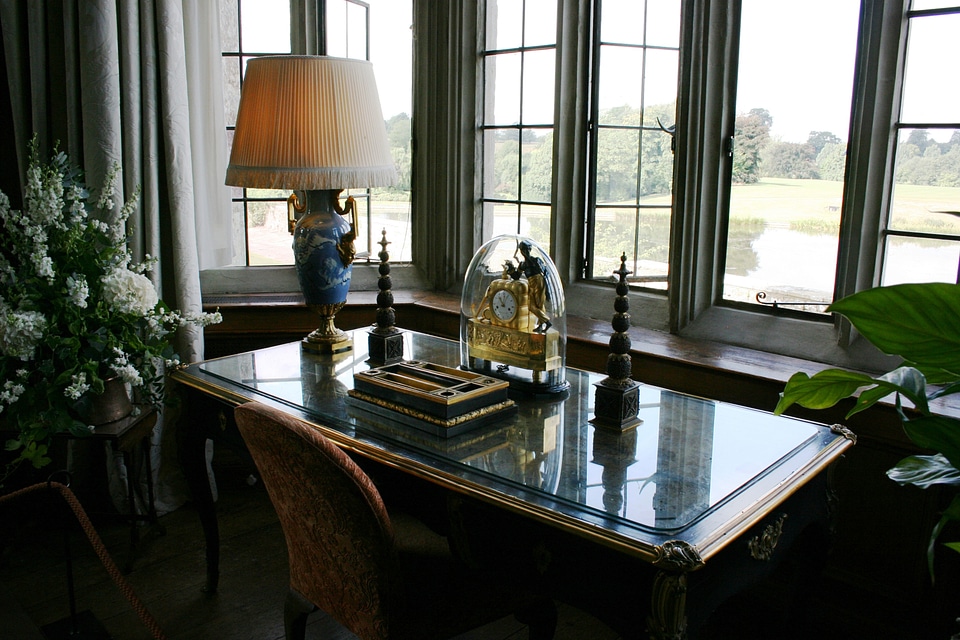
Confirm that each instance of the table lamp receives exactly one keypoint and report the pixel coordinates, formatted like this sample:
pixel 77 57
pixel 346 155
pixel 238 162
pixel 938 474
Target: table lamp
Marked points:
pixel 313 124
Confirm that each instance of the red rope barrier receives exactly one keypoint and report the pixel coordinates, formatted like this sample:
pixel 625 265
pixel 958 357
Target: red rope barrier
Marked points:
pixel 98 547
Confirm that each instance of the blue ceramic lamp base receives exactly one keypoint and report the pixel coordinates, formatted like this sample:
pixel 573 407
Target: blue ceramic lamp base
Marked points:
pixel 323 250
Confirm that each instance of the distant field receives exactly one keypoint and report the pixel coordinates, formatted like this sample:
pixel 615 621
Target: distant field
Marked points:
pixel 791 203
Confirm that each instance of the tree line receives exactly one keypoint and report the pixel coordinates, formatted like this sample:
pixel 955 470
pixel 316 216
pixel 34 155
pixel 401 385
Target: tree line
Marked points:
pixel 523 160
pixel 921 160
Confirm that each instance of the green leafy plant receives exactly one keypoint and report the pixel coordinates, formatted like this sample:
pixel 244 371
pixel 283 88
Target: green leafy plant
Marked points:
pixel 75 309
pixel 921 324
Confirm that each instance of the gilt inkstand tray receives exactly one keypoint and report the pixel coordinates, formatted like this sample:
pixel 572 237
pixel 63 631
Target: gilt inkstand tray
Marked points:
pixel 431 397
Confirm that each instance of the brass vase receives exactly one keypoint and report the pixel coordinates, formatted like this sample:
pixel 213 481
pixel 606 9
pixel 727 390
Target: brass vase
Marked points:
pixel 111 405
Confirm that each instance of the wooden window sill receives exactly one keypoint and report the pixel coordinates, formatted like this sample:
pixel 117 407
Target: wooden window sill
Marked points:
pixel 699 367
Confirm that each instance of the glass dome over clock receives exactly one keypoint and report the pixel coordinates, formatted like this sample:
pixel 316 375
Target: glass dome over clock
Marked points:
pixel 512 316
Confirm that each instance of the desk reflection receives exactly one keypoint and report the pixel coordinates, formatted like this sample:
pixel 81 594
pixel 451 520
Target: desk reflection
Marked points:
pixel 684 458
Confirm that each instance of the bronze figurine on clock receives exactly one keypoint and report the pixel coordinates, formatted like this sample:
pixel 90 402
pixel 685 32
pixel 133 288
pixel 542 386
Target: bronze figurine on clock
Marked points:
pixel 512 321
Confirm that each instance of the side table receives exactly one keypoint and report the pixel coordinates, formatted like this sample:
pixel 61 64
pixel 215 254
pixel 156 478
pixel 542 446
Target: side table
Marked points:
pixel 129 436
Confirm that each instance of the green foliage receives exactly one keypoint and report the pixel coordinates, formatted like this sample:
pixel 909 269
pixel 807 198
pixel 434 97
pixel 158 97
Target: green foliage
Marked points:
pixel 831 161
pixel 790 160
pixel 921 324
pixel 398 133
pixel 918 322
pixel 74 308
pixel 816 226
pixel 933 165
pixel 506 170
pixel 751 134
pixel 819 140
pixel 537 177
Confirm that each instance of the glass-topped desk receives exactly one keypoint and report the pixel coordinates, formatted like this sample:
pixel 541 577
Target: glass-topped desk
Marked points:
pixel 672 493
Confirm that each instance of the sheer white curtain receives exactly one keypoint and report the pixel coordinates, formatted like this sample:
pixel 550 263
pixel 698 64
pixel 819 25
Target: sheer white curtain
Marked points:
pixel 135 82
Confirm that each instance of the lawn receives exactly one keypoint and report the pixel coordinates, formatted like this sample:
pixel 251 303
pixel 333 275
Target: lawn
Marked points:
pixel 815 204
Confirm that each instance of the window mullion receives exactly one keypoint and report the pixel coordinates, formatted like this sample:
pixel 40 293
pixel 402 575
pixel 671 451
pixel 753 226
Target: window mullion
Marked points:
pixel 869 170
pixel 705 117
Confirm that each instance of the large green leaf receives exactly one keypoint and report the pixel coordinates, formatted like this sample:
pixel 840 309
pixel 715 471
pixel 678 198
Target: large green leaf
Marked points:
pixel 919 322
pixel 826 388
pixel 938 433
pixel 924 471
pixel 822 391
pixel 910 383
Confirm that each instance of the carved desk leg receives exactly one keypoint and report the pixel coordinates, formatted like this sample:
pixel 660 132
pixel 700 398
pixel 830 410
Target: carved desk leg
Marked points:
pixel 193 431
pixel 668 606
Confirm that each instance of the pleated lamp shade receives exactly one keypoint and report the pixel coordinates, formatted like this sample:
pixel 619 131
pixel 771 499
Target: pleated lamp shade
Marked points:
pixel 310 122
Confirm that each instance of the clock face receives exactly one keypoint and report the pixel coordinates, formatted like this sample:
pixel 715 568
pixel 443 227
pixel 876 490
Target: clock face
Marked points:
pixel 504 305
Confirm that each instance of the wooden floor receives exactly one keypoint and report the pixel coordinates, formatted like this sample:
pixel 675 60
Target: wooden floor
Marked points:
pixel 168 575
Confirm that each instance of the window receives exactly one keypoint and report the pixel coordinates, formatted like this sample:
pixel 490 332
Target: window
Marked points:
pixel 709 103
pixel 519 61
pixel 375 30
pixel 633 108
pixel 789 148
pixel 602 127
pixel 792 188
pixel 921 237
pixel 250 28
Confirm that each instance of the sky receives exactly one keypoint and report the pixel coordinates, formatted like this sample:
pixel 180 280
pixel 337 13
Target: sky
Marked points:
pixel 796 61
pixel 391 59
pixel 807 87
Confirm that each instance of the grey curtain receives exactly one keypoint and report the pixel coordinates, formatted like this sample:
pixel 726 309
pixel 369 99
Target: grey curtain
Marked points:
pixel 135 82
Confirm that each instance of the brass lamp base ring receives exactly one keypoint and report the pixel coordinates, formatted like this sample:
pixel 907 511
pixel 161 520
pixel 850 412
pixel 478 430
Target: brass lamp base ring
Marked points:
pixel 327 338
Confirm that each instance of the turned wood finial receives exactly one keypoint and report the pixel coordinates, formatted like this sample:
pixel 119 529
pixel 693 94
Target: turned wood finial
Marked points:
pixel 617 400
pixel 619 363
pixel 386 316
pixel 384 340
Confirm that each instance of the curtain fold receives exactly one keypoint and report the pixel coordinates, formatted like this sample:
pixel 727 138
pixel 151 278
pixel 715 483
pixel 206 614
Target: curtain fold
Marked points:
pixel 135 82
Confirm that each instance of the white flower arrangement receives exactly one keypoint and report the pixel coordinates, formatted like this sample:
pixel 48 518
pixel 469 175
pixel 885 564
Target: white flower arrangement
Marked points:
pixel 75 309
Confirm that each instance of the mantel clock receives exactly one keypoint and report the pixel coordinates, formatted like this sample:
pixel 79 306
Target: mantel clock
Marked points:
pixel 512 322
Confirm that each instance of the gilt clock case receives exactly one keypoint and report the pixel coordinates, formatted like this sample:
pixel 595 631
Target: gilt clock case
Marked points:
pixel 512 316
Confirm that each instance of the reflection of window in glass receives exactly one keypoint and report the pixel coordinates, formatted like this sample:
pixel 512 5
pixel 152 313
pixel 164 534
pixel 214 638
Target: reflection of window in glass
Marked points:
pixel 789 150
pixel 519 60
pixel 377 30
pixel 635 93
pixel 922 236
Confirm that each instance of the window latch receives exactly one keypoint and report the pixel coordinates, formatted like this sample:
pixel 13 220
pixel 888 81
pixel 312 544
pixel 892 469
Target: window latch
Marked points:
pixel 670 131
pixel 730 146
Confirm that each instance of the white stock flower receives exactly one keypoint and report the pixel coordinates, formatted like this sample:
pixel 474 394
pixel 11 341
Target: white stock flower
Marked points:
pixel 77 290
pixel 77 387
pixel 128 292
pixel 11 393
pixel 20 331
pixel 128 373
pixel 43 265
